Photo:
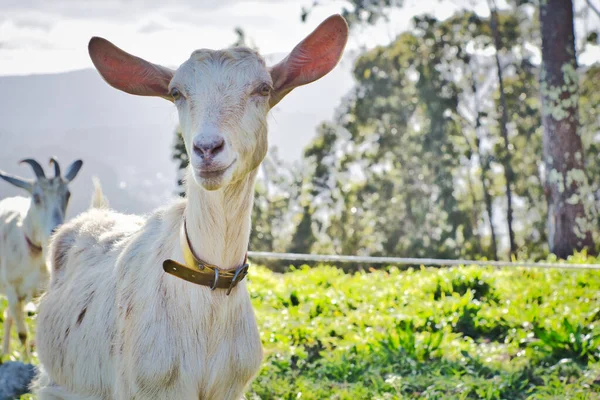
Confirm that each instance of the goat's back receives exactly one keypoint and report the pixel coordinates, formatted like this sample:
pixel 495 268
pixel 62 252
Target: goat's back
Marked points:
pixel 88 241
pixel 83 256
pixel 12 213
pixel 14 205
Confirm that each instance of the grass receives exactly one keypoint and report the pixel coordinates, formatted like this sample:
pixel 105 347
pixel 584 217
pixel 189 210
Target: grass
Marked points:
pixel 457 333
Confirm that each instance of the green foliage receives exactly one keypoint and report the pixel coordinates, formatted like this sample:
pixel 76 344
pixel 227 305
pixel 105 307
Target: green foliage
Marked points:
pixel 589 128
pixel 578 342
pixel 180 157
pixel 427 333
pixel 303 238
pixel 395 174
pixel 276 194
pixel 457 333
pixel 359 11
pixel 413 164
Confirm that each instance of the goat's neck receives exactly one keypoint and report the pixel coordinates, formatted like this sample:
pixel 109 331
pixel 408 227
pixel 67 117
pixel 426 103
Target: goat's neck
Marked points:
pixel 218 222
pixel 31 229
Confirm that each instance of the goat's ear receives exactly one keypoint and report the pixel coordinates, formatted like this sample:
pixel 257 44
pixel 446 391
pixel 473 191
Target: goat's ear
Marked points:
pixel 18 182
pixel 73 170
pixel 311 59
pixel 127 72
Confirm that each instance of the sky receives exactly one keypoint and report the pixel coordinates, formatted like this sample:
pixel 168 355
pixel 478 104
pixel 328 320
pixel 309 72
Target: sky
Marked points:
pixel 45 36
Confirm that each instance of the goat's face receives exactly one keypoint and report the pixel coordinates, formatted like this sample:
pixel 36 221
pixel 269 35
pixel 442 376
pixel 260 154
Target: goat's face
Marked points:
pixel 49 196
pixel 223 97
pixel 49 200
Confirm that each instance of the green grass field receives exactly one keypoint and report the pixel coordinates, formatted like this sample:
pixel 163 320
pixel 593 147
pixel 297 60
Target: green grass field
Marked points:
pixel 459 333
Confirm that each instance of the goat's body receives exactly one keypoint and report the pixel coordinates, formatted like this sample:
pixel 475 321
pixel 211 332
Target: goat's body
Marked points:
pixel 21 269
pixel 115 326
pixel 23 272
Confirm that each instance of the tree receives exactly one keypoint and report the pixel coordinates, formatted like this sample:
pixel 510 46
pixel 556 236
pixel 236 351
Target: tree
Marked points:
pixel 276 193
pixel 180 157
pixel 361 11
pixel 589 121
pixel 570 202
pixel 438 106
pixel 506 155
pixel 390 178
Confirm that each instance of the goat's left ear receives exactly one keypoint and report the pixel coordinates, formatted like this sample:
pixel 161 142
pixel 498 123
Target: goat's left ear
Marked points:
pixel 311 59
pixel 73 170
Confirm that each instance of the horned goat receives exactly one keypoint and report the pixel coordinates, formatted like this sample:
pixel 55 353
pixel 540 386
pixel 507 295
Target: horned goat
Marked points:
pixel 132 311
pixel 26 224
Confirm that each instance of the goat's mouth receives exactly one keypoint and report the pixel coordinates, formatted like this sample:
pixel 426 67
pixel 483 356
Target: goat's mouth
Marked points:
pixel 208 173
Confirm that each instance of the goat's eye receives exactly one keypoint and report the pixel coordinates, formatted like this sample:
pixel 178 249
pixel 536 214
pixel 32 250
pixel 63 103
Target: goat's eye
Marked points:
pixel 263 90
pixel 175 93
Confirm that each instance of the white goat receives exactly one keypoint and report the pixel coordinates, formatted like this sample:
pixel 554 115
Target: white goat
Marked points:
pixel 26 224
pixel 113 324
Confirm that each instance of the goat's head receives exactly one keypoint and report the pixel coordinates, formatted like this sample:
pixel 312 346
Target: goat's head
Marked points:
pixel 223 97
pixel 49 196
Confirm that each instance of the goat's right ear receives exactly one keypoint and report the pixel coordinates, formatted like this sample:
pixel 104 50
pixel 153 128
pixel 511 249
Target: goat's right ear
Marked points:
pixel 73 170
pixel 18 182
pixel 127 72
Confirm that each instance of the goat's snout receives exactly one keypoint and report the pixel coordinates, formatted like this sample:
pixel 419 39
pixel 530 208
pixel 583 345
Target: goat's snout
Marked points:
pixel 207 149
pixel 57 220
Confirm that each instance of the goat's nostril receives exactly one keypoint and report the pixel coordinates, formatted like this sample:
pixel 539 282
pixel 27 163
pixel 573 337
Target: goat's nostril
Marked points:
pixel 219 147
pixel 209 149
pixel 198 150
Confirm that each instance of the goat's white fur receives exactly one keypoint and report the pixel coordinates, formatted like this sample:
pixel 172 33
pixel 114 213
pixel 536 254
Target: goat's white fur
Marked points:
pixel 23 271
pixel 98 198
pixel 113 325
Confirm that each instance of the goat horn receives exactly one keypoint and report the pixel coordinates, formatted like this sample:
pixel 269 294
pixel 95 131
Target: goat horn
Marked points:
pixel 56 167
pixel 18 182
pixel 37 168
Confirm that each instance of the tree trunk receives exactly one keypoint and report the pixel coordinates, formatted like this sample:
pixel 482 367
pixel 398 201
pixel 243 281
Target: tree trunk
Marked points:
pixel 484 164
pixel 506 159
pixel 570 210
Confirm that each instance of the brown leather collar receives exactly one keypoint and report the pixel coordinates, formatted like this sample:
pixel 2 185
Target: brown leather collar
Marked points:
pixel 34 248
pixel 201 273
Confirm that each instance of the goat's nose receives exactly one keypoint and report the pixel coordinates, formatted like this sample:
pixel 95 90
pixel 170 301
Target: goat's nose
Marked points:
pixel 209 148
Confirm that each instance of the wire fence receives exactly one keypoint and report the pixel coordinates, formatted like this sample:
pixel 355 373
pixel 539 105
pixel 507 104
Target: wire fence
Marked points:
pixel 416 261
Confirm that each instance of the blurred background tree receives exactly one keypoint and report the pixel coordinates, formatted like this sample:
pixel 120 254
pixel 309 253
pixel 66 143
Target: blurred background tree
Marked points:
pixel 571 209
pixel 438 150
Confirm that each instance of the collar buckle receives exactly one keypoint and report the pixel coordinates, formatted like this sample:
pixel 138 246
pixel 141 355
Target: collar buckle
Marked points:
pixel 240 274
pixel 214 285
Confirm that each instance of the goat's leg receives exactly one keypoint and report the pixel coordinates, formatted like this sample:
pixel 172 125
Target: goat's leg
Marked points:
pixel 15 306
pixel 8 320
